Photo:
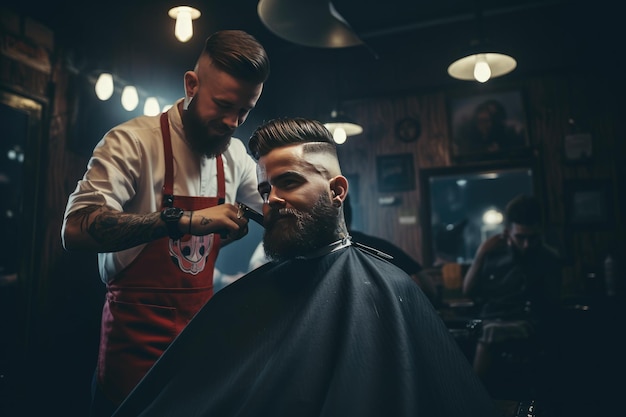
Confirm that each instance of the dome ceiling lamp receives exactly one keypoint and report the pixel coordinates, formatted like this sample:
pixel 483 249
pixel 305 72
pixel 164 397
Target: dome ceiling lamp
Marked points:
pixel 184 16
pixel 341 126
pixel 482 64
pixel 483 61
pixel 313 23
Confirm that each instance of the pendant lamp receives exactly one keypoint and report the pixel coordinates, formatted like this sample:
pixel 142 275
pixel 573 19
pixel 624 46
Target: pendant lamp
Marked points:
pixel 313 23
pixel 483 60
pixel 184 16
pixel 482 63
pixel 341 126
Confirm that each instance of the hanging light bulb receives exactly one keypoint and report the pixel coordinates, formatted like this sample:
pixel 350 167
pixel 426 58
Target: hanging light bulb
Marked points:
pixel 151 107
pixel 466 68
pixel 104 86
pixel 482 71
pixel 184 16
pixel 341 126
pixel 130 98
pixel 339 135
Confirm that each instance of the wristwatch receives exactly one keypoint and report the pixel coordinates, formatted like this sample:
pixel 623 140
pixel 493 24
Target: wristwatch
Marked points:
pixel 171 216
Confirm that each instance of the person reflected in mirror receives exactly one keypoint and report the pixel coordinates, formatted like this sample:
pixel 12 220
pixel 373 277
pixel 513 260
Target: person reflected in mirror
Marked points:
pixel 488 131
pixel 157 202
pixel 325 328
pixel 515 281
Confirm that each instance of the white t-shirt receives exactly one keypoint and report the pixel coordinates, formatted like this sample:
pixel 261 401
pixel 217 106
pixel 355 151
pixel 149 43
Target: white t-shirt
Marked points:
pixel 127 169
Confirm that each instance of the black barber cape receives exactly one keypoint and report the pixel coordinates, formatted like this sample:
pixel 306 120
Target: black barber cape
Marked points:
pixel 345 334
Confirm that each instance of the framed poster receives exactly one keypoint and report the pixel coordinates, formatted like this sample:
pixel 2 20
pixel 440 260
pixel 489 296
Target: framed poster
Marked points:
pixel 395 172
pixel 588 203
pixel 488 126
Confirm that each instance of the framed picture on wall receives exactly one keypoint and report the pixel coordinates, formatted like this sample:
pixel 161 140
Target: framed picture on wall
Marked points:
pixel 488 126
pixel 588 203
pixel 395 172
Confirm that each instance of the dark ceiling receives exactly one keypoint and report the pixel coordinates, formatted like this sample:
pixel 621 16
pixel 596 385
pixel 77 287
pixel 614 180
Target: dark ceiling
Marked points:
pixel 137 36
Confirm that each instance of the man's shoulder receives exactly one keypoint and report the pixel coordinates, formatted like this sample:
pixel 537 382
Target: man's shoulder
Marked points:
pixel 499 255
pixel 138 123
pixel 142 129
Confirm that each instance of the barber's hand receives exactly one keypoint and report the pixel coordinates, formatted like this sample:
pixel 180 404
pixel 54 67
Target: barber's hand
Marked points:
pixel 225 219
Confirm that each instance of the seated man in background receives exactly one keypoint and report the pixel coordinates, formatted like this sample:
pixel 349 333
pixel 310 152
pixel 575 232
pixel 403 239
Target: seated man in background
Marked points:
pixel 516 280
pixel 324 329
pixel 397 256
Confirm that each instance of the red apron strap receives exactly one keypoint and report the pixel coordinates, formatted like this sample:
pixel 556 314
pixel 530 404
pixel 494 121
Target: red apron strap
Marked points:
pixel 221 183
pixel 168 184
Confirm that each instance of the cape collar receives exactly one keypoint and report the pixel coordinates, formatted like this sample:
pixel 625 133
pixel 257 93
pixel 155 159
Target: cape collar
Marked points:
pixel 339 244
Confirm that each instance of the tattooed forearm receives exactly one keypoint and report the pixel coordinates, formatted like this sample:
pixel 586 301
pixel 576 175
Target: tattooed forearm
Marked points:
pixel 82 216
pixel 117 231
pixel 122 231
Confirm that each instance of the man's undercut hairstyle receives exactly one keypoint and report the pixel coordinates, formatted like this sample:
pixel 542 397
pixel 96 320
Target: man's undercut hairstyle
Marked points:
pixel 289 131
pixel 524 210
pixel 238 54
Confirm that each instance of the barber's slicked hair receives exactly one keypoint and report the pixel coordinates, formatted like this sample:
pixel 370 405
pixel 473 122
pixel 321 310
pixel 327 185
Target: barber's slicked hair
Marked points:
pixel 288 131
pixel 524 210
pixel 239 54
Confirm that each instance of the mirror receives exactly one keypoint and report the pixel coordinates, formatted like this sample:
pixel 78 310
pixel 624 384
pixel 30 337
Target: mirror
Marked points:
pixel 463 206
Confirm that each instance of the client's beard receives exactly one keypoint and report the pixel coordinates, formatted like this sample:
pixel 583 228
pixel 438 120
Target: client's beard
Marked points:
pixel 303 233
pixel 198 134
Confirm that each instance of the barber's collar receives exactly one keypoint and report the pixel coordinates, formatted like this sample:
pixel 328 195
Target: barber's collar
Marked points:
pixel 339 244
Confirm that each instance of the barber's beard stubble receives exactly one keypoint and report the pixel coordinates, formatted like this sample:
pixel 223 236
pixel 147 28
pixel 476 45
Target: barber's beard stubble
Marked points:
pixel 199 136
pixel 290 233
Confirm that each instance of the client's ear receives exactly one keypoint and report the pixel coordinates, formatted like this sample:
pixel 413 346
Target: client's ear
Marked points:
pixel 339 188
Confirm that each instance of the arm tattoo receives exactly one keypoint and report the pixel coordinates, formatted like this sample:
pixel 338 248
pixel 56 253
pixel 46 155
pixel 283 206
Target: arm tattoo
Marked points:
pixel 117 231
pixel 205 221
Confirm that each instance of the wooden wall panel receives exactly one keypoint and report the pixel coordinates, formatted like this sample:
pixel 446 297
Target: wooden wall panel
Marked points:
pixel 550 102
pixel 359 157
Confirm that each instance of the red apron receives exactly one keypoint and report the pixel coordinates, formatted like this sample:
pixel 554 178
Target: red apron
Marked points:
pixel 149 302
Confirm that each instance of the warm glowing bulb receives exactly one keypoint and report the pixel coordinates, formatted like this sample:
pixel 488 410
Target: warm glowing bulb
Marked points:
pixel 184 29
pixel 482 71
pixel 492 217
pixel 104 86
pixel 339 135
pixel 184 16
pixel 151 107
pixel 130 98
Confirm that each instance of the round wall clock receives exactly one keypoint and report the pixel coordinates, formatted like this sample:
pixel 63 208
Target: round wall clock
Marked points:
pixel 408 129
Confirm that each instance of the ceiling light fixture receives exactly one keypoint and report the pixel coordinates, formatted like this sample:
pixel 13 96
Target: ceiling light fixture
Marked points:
pixel 482 61
pixel 313 23
pixel 184 16
pixel 341 126
pixel 482 64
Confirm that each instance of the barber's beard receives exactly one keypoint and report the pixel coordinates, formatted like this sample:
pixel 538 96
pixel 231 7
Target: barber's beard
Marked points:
pixel 290 233
pixel 199 136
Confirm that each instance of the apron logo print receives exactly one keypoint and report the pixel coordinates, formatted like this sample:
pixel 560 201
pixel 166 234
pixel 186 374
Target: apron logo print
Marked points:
pixel 191 255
